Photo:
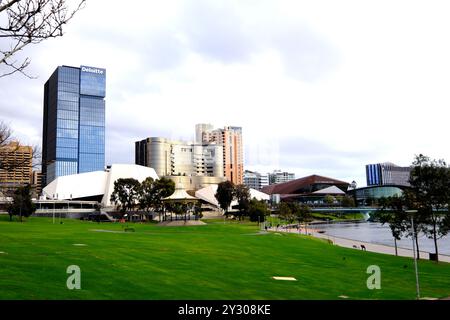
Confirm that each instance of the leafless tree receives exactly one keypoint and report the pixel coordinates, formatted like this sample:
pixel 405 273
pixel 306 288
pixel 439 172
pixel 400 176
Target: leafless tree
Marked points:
pixel 5 133
pixel 25 22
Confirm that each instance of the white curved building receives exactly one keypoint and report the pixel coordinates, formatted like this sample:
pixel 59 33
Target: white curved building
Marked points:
pixel 96 184
pixel 207 194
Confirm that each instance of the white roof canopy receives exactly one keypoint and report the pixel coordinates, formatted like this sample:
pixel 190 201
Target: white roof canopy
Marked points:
pixel 330 190
pixel 208 194
pixel 96 183
pixel 179 194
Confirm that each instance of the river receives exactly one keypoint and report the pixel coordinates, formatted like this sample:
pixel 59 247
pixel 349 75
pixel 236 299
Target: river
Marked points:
pixel 380 234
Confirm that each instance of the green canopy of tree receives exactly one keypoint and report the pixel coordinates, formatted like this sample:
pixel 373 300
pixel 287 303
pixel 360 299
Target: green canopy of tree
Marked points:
pixel 257 210
pixel 286 211
pixel 126 194
pixel 242 195
pixel 348 202
pixel 303 213
pixel 329 199
pixel 147 196
pixel 22 205
pixel 430 187
pixel 225 195
pixel 162 188
pixel 392 211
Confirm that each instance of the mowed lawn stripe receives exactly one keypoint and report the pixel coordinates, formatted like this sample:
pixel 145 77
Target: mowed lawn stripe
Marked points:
pixel 215 261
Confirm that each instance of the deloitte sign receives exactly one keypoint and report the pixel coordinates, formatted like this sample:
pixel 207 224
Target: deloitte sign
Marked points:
pixel 92 70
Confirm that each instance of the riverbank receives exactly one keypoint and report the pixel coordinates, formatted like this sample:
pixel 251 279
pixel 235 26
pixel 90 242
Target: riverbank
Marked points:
pixel 357 245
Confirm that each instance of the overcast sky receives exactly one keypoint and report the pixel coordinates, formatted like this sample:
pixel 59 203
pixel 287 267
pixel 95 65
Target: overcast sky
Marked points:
pixel 319 87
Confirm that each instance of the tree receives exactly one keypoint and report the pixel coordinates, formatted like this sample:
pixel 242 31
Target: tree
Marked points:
pixel 178 208
pixel 329 199
pixel 348 202
pixel 369 201
pixel 303 213
pixel 225 195
pixel 392 211
pixel 430 186
pixel 162 188
pixel 26 22
pixel 147 195
pixel 291 211
pixel 198 210
pixel 22 205
pixel 153 191
pixel 285 211
pixel 126 193
pixel 257 210
pixel 242 195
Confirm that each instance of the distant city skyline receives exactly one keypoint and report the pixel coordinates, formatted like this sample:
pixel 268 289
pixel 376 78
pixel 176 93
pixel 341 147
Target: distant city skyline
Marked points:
pixel 317 87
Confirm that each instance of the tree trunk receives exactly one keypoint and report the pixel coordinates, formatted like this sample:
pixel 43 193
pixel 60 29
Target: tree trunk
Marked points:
pixel 395 243
pixel 417 244
pixel 435 240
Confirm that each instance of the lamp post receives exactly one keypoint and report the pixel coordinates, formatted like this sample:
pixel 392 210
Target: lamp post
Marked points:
pixel 412 212
pixel 53 208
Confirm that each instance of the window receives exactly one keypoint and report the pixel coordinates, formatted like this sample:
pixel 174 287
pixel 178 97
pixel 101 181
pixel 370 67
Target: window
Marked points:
pixel 93 84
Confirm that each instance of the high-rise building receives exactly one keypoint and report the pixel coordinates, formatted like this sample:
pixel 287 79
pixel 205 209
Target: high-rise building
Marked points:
pixel 36 181
pixel 230 138
pixel 179 158
pixel 15 169
pixel 255 180
pixel 74 122
pixel 387 173
pixel 199 129
pixel 277 176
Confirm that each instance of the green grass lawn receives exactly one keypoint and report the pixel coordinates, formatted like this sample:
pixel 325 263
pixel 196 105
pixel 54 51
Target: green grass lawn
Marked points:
pixel 215 261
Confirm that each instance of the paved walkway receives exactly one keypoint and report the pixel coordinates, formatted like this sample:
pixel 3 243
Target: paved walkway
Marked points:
pixel 349 243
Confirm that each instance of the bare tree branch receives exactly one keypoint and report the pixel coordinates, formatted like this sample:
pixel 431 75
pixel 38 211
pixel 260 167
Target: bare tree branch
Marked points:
pixel 5 133
pixel 7 5
pixel 31 22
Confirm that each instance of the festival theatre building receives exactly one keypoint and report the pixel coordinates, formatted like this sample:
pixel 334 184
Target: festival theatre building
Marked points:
pixel 74 122
pixel 310 190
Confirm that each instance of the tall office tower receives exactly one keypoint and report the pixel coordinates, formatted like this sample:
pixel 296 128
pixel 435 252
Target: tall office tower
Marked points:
pixel 74 122
pixel 16 162
pixel 277 176
pixel 233 156
pixel 387 174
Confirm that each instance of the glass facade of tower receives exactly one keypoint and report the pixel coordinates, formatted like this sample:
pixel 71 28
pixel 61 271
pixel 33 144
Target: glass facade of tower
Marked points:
pixel 387 174
pixel 74 122
pixel 373 174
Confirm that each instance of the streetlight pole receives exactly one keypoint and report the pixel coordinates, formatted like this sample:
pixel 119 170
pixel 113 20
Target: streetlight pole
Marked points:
pixel 53 209
pixel 414 252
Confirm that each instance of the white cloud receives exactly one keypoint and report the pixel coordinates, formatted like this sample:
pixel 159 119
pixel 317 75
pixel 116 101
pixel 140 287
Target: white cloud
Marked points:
pixel 318 86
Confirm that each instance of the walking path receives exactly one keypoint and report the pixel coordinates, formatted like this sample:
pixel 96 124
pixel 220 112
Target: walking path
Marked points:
pixel 356 244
